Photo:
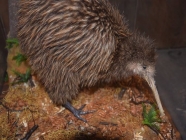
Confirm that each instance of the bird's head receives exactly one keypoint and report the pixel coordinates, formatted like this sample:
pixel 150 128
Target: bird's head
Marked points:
pixel 141 61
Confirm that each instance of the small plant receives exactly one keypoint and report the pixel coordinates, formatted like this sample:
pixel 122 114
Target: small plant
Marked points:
pixel 11 42
pixel 21 77
pixel 19 58
pixel 151 118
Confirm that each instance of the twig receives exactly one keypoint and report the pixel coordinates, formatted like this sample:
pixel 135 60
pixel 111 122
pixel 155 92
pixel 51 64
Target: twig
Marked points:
pixel 29 133
pixel 108 123
pixel 11 110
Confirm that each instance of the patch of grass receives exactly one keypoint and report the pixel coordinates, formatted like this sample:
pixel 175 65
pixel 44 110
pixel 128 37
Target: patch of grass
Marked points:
pixel 19 58
pixel 10 42
pixel 150 118
pixel 21 77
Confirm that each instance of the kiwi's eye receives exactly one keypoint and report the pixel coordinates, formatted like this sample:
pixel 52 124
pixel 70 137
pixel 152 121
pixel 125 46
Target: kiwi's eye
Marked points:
pixel 144 67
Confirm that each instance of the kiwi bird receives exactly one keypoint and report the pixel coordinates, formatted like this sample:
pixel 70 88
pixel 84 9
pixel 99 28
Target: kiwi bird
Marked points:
pixel 75 44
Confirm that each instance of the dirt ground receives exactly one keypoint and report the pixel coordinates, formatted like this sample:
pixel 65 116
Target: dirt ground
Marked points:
pixel 25 109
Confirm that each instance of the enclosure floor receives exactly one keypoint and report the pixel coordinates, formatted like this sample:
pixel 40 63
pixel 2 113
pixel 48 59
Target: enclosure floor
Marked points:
pixel 112 119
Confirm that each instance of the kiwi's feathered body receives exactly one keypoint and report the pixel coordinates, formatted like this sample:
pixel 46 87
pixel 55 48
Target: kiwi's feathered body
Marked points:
pixel 72 44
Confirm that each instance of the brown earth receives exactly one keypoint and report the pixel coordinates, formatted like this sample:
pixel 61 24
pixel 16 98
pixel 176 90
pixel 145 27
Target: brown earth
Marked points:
pixel 23 107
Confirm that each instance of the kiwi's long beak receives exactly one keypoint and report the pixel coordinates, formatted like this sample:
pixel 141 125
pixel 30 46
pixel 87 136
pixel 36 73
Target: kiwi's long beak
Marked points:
pixel 150 80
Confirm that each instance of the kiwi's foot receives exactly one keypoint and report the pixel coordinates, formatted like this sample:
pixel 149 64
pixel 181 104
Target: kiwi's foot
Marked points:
pixel 121 93
pixel 77 112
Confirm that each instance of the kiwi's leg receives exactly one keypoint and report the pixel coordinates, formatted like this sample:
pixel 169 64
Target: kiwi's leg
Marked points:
pixel 77 112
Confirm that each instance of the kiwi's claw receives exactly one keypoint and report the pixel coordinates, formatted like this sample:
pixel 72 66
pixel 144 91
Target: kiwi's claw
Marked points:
pixel 77 112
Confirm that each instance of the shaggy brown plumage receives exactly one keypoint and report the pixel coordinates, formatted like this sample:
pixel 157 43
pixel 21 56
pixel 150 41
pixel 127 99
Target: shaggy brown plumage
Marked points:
pixel 72 44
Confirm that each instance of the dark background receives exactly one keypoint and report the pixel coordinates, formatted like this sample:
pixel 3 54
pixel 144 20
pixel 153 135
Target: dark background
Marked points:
pixel 4 29
pixel 162 20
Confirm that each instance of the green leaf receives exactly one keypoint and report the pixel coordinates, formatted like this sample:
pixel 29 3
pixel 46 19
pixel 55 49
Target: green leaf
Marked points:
pixel 151 118
pixel 10 42
pixel 27 74
pixel 19 58
pixel 21 77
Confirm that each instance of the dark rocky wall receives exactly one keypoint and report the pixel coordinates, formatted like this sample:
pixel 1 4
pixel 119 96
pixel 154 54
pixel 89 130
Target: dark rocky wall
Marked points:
pixel 4 15
pixel 4 28
pixel 162 20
